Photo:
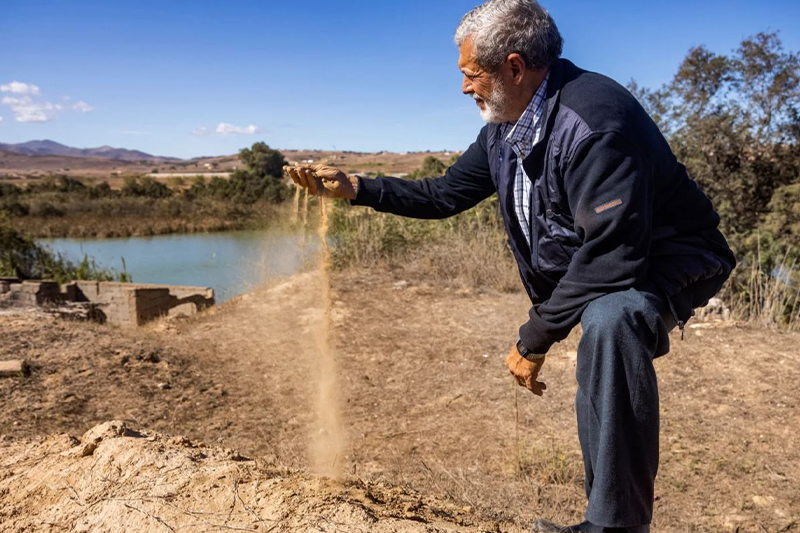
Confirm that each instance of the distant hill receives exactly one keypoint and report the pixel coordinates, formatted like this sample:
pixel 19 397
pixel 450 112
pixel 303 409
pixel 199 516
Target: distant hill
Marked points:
pixel 47 147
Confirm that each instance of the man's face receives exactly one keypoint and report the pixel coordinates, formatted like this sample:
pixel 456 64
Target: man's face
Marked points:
pixel 488 91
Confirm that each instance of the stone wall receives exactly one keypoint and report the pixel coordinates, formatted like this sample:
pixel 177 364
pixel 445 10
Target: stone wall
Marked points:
pixel 122 304
pixel 29 293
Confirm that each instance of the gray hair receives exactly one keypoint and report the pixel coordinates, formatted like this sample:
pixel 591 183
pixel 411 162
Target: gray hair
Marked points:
pixel 503 27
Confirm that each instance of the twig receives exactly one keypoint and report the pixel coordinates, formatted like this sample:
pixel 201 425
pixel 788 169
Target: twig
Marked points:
pixel 78 498
pixel 516 426
pixel 154 517
pixel 399 433
pixel 457 482
pixel 335 525
pixel 247 508
pixel 454 399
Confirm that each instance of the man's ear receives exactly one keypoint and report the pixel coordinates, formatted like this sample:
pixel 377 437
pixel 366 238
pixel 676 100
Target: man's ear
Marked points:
pixel 516 66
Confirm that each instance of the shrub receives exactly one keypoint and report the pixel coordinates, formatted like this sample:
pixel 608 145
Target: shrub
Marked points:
pixel 9 189
pixel 21 257
pixel 145 187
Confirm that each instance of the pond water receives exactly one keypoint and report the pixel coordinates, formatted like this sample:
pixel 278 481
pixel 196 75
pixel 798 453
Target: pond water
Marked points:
pixel 232 263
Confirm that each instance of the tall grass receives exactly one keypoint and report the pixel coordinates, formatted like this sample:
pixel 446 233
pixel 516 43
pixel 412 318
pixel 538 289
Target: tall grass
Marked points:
pixel 767 295
pixel 469 249
pixel 21 257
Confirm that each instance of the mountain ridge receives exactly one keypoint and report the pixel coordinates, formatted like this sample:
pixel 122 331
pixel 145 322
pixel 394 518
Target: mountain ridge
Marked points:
pixel 50 147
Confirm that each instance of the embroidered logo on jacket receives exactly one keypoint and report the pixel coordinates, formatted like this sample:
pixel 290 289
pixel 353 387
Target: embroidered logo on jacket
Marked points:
pixel 605 207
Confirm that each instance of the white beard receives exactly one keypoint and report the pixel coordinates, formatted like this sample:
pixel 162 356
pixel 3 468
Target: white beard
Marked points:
pixel 496 105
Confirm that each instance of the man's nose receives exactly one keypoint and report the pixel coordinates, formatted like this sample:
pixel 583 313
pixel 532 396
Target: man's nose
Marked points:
pixel 466 86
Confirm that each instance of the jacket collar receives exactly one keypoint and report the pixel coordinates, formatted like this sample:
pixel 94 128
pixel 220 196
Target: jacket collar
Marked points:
pixel 555 82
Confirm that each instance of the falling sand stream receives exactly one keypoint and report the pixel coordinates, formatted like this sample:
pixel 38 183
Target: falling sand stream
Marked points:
pixel 327 447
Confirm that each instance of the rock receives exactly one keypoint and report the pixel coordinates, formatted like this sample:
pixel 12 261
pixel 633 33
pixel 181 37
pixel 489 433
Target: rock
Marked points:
pixel 400 285
pixel 88 449
pixel 106 430
pixel 761 501
pixel 715 310
pixel 14 368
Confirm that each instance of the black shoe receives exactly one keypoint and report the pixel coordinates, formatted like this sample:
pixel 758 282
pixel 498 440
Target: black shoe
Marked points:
pixel 546 526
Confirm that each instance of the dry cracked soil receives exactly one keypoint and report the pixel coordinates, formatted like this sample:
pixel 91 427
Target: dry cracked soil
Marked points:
pixel 215 419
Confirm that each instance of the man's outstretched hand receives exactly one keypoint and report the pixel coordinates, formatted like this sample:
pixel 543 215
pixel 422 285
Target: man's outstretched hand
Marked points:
pixel 526 372
pixel 324 180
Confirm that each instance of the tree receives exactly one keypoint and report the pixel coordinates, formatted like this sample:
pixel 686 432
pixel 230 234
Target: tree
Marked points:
pixel 145 187
pixel 431 168
pixel 732 120
pixel 262 161
pixel 781 228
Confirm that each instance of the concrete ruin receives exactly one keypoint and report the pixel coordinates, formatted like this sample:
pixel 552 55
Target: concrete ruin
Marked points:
pixel 121 304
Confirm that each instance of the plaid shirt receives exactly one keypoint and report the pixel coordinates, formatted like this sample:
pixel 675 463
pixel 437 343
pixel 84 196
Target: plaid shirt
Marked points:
pixel 523 136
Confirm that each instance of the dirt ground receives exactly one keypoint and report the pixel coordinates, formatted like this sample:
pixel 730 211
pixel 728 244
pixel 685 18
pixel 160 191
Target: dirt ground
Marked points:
pixel 427 405
pixel 119 480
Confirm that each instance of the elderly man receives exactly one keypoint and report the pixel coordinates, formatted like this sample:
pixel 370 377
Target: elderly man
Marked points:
pixel 607 229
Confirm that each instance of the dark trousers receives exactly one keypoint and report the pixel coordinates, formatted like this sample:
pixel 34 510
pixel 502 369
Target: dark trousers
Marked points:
pixel 617 404
pixel 617 400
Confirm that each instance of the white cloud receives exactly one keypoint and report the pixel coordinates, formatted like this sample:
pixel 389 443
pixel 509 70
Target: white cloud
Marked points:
pixel 82 106
pixel 27 106
pixel 1 120
pixel 229 129
pixel 15 100
pixel 223 128
pixel 26 109
pixel 17 87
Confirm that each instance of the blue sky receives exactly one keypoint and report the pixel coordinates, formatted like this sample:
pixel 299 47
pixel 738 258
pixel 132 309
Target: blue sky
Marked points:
pixel 161 76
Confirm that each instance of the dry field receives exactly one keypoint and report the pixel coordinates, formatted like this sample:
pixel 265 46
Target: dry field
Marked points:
pixel 19 168
pixel 437 437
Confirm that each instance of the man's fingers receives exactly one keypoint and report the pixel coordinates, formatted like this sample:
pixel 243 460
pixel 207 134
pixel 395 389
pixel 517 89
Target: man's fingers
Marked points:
pixel 292 174
pixel 301 179
pixel 310 180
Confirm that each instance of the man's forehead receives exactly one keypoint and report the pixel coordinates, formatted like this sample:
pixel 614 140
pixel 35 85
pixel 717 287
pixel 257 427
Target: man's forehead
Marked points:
pixel 466 56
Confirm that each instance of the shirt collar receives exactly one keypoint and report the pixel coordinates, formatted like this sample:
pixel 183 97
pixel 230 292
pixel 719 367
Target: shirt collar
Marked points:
pixel 522 135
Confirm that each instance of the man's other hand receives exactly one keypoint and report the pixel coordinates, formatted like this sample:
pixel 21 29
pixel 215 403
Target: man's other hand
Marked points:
pixel 525 371
pixel 324 180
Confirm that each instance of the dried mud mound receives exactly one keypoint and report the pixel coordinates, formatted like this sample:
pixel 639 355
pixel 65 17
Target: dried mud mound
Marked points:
pixel 116 479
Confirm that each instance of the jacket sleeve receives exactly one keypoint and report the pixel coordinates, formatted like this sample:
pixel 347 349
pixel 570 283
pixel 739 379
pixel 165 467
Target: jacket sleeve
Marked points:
pixel 609 186
pixel 463 186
